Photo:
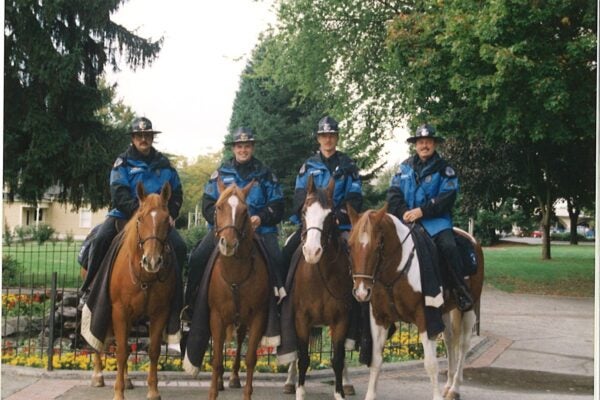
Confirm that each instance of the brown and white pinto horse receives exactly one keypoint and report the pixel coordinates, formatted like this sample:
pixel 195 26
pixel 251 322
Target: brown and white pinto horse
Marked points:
pixel 142 284
pixel 322 286
pixel 239 287
pixel 385 274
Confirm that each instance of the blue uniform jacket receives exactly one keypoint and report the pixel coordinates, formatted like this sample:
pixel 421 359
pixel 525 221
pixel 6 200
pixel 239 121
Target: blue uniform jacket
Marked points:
pixel 265 198
pixel 348 186
pixel 433 189
pixel 129 169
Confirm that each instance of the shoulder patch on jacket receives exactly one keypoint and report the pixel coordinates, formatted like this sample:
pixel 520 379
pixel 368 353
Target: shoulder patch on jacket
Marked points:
pixel 118 162
pixel 449 172
pixel 214 175
pixel 273 177
pixel 302 169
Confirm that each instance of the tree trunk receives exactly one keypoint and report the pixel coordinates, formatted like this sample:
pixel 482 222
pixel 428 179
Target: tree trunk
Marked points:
pixel 546 208
pixel 573 217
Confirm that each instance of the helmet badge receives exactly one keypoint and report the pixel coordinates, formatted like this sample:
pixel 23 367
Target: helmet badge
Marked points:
pixel 243 137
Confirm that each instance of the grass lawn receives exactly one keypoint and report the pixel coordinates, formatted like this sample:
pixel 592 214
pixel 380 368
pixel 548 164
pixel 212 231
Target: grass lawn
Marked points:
pixel 520 269
pixel 37 262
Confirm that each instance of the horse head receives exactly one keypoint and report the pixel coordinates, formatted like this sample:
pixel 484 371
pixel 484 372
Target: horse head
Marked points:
pixel 232 221
pixel 366 245
pixel 317 220
pixel 152 226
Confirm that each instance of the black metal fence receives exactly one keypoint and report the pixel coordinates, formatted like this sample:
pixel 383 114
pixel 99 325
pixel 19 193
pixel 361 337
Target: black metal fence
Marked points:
pixel 41 318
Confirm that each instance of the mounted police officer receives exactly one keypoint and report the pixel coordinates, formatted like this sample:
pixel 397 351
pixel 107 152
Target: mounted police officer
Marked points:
pixel 327 163
pixel 265 204
pixel 424 190
pixel 140 163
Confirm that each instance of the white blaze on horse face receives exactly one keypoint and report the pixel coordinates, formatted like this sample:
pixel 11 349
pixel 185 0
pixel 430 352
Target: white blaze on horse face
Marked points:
pixel 153 215
pixel 315 217
pixel 233 202
pixel 414 272
pixel 364 239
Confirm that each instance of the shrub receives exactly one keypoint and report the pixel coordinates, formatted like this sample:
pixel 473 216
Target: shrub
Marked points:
pixel 193 235
pixel 42 233
pixel 69 238
pixel 11 269
pixel 8 235
pixel 23 233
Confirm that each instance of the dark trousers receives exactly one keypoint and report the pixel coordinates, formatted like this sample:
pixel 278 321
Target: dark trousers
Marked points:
pixel 104 237
pixel 446 245
pixel 200 255
pixel 289 248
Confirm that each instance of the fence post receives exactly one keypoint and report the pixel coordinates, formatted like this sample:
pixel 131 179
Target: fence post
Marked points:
pixel 53 293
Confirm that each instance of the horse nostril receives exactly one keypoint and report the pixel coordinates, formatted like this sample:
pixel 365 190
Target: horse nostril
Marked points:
pixel 159 261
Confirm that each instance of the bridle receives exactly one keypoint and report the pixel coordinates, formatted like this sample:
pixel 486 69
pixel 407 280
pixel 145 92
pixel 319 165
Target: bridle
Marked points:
pixel 141 241
pixel 376 270
pixel 240 232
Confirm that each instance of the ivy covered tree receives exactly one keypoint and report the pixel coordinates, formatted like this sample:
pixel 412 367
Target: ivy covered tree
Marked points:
pixel 56 130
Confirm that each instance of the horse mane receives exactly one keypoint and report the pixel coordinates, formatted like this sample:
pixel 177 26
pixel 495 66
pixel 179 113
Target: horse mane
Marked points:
pixel 130 232
pixel 363 225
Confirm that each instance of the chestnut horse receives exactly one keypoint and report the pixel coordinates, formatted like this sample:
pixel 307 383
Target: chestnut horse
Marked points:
pixel 322 287
pixel 142 284
pixel 239 287
pixel 386 274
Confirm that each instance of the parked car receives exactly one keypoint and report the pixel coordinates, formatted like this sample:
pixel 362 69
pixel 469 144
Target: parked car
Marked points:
pixel 536 234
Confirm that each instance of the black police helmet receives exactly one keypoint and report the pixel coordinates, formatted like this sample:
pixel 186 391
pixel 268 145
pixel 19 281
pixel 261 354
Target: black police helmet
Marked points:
pixel 425 131
pixel 142 125
pixel 242 135
pixel 327 125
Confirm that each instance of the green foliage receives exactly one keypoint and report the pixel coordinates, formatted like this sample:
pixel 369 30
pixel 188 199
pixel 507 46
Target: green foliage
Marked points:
pixel 57 130
pixel 7 236
pixel 41 233
pixel 11 269
pixel 69 238
pixel 193 178
pixel 23 233
pixel 193 235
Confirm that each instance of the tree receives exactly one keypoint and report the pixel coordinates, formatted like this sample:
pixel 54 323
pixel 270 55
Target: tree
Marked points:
pixel 193 178
pixel 56 130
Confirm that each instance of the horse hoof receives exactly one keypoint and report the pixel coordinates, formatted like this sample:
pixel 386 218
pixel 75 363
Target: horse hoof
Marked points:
pixel 128 384
pixel 157 397
pixel 98 382
pixel 452 396
pixel 220 386
pixel 234 383
pixel 349 390
pixel 289 388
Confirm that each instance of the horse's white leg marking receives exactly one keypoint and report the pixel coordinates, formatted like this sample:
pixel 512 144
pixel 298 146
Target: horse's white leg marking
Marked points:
pixel 300 393
pixel 291 375
pixel 451 337
pixel 233 202
pixel 315 217
pixel 337 396
pixel 463 342
pixel 379 334
pixel 345 377
pixel 431 363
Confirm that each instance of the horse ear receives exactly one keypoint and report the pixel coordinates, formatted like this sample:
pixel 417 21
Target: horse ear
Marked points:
pixel 220 184
pixel 141 193
pixel 311 185
pixel 352 214
pixel 247 188
pixel 165 193
pixel 381 212
pixel 330 188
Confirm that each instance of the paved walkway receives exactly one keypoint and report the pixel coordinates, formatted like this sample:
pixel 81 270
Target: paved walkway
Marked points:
pixel 531 347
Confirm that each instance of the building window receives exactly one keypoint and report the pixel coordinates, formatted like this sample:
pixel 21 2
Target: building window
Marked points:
pixel 31 216
pixel 85 219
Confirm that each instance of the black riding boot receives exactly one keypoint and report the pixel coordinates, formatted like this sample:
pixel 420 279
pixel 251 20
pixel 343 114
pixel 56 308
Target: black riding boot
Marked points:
pixel 464 300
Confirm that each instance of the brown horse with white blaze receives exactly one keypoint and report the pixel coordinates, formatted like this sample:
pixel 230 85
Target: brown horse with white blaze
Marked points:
pixel 388 275
pixel 239 287
pixel 142 284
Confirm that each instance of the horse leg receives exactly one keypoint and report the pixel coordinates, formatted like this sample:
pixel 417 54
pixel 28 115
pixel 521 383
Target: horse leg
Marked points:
pixel 157 325
pixel 338 336
pixel 255 333
pixel 431 363
pixel 346 383
pixel 379 335
pixel 302 332
pixel 451 333
pixel 290 383
pixel 234 378
pixel 218 335
pixel 121 331
pixel 465 324
pixel 97 376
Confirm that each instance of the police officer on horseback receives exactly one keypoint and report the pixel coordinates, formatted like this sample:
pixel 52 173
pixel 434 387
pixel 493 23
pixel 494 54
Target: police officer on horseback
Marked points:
pixel 424 190
pixel 265 203
pixel 141 162
pixel 327 163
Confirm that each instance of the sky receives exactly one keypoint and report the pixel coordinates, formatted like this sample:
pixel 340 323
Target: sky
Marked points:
pixel 188 92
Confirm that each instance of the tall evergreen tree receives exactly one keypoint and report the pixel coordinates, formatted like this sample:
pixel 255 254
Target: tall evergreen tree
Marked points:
pixel 55 132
